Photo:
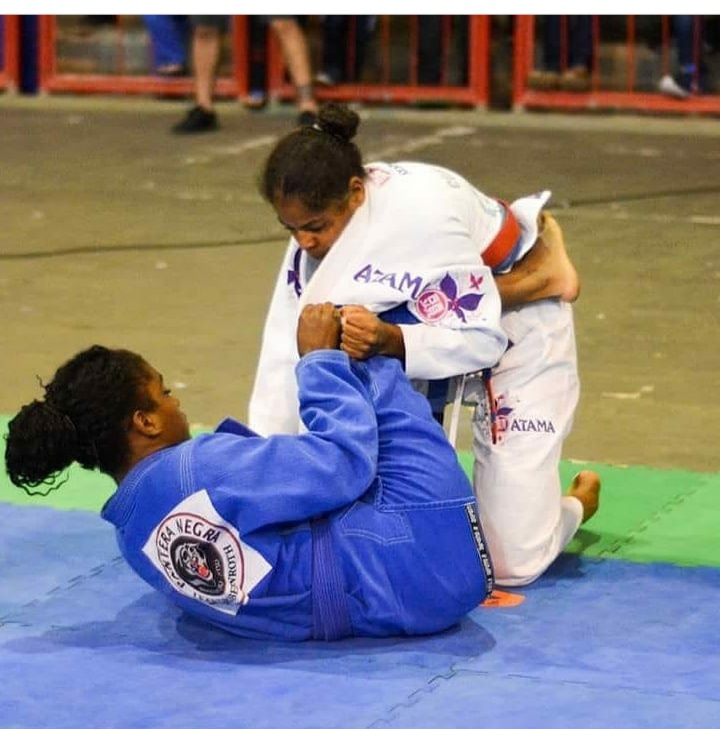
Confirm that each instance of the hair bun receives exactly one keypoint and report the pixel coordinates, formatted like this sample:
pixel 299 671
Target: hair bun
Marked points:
pixel 338 120
pixel 41 442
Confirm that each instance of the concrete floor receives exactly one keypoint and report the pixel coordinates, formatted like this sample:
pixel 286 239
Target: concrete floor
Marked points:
pixel 115 231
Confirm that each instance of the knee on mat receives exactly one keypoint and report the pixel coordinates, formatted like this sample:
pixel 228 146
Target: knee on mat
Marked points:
pixel 517 570
pixel 516 578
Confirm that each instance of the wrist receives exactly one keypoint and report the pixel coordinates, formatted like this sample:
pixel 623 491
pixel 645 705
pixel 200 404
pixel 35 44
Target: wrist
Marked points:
pixel 392 343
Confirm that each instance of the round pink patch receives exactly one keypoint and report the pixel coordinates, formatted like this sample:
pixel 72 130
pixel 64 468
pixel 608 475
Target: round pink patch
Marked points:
pixel 432 305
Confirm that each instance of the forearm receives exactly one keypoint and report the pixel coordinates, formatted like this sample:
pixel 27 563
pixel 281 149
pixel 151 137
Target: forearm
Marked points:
pixel 342 437
pixel 335 406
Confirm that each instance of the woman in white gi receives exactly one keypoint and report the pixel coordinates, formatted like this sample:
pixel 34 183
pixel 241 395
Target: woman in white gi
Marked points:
pixel 408 250
pixel 365 525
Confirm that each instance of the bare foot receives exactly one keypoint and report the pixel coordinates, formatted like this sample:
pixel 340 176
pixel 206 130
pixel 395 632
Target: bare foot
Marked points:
pixel 546 272
pixel 563 278
pixel 585 487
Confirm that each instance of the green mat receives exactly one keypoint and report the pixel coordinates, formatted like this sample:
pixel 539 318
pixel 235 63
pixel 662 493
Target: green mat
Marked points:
pixel 646 515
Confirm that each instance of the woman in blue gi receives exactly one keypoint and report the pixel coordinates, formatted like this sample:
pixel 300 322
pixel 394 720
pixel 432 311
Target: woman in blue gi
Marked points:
pixel 365 525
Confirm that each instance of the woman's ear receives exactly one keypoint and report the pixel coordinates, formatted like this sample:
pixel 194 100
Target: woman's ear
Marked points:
pixel 356 190
pixel 145 423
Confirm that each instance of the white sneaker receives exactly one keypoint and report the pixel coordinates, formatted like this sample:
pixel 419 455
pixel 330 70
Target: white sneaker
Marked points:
pixel 670 87
pixel 324 79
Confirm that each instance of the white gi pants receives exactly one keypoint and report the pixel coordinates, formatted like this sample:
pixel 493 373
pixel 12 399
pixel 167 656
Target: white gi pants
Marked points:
pixel 526 519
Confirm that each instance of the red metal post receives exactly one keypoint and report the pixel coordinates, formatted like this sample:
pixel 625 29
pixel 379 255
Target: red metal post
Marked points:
pixel 665 25
pixel 630 53
pixel 447 33
pixel 697 48
pixel 413 48
pixel 563 43
pixel 595 57
pixel 10 72
pixel 46 51
pixel 385 49
pixel 240 34
pixel 523 56
pixel 479 59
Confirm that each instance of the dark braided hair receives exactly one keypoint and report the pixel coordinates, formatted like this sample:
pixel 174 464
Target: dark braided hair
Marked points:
pixel 315 163
pixel 84 417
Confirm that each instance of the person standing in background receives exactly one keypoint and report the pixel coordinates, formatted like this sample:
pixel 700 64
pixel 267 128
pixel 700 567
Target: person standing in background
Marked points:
pixel 207 36
pixel 568 71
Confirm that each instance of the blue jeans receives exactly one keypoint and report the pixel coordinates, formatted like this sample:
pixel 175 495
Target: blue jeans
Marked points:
pixel 579 41
pixel 690 76
pixel 169 35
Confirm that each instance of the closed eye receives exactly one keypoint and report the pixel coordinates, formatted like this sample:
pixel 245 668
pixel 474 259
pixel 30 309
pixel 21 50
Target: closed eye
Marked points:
pixel 313 227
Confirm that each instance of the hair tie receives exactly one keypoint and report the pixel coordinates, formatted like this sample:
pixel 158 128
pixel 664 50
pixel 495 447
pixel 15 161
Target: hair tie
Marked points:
pixel 315 126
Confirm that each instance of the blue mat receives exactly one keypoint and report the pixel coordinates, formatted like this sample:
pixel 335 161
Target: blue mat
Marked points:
pixel 84 643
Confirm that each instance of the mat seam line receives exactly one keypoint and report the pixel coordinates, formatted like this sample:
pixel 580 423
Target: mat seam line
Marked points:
pixel 11 618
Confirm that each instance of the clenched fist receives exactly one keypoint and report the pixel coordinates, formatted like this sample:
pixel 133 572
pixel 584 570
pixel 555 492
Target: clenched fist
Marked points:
pixel 318 328
pixel 365 335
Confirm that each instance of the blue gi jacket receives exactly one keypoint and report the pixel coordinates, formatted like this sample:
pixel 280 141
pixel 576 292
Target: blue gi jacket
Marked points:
pixel 364 525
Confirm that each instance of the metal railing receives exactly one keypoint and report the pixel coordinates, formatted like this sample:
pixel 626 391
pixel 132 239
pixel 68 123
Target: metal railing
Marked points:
pixel 396 62
pixel 394 77
pixel 624 74
pixel 111 72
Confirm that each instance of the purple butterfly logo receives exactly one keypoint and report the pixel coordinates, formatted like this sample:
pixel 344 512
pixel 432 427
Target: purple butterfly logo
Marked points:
pixel 459 305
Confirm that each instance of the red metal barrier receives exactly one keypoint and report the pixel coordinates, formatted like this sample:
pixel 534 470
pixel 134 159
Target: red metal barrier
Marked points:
pixel 395 57
pixel 118 80
pixel 9 70
pixel 610 88
pixel 619 75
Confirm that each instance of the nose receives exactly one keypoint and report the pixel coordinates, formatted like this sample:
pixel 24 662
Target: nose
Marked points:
pixel 305 240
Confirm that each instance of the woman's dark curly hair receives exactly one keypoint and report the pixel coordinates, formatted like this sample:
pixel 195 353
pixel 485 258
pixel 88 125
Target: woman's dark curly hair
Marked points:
pixel 83 417
pixel 315 164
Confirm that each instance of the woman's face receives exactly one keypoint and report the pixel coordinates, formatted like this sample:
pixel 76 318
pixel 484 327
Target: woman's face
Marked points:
pixel 316 232
pixel 172 419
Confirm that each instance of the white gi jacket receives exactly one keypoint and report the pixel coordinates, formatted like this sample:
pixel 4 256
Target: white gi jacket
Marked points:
pixel 416 240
